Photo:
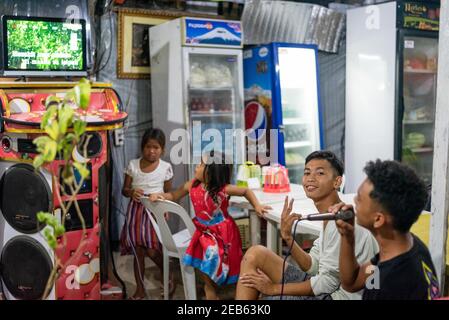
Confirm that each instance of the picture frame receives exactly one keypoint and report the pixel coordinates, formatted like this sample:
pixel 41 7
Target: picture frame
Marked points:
pixel 133 58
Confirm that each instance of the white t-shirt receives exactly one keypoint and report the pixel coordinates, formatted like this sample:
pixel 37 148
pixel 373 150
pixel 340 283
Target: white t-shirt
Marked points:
pixel 325 255
pixel 151 182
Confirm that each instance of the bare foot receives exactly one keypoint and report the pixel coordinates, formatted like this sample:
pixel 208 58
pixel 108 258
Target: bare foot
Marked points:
pixel 171 288
pixel 212 297
pixel 138 295
pixel 210 293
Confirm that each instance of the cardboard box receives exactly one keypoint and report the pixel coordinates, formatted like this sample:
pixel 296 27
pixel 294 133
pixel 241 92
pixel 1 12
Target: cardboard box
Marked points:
pixel 245 235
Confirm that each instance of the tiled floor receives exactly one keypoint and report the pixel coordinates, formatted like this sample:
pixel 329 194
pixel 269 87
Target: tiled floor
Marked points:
pixel 152 281
pixel 124 265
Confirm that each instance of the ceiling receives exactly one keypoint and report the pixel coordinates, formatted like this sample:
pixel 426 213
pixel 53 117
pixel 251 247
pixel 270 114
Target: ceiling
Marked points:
pixel 326 2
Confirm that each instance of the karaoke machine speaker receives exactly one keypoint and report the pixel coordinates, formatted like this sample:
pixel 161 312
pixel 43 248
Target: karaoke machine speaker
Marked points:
pixel 26 260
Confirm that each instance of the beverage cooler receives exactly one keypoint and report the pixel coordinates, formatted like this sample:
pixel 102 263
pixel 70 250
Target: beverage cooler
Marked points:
pixel 197 84
pixel 282 93
pixel 392 56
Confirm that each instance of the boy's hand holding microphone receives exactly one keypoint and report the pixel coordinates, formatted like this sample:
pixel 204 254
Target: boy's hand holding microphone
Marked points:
pixel 345 227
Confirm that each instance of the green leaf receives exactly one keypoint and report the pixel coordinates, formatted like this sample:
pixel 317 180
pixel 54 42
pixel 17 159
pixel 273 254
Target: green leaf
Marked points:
pixel 65 116
pixel 49 152
pixel 52 221
pixel 84 81
pixel 69 138
pixel 79 127
pixel 59 230
pixel 52 242
pixel 41 216
pixel 85 91
pixel 70 97
pixel 82 169
pixel 82 92
pixel 48 233
pixel 38 161
pixel 46 218
pixel 68 151
pixel 53 130
pixel 67 145
pixel 52 101
pixel 41 141
pixel 49 115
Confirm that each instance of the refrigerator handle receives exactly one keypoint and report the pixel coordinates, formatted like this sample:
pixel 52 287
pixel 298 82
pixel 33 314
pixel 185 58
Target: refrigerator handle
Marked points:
pixel 401 107
pixel 281 128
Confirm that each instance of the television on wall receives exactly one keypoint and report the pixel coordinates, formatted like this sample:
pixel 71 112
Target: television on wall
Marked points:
pixel 33 46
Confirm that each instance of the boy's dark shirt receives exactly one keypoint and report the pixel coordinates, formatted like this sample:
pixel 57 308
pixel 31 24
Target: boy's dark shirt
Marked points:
pixel 409 276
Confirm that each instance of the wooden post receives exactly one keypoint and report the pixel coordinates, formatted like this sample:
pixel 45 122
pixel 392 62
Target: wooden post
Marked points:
pixel 440 184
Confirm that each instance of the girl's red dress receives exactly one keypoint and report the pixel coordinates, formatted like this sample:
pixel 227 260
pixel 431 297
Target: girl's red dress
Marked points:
pixel 216 247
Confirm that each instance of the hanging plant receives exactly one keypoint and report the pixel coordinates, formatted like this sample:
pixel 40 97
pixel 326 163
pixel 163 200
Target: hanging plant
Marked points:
pixel 64 129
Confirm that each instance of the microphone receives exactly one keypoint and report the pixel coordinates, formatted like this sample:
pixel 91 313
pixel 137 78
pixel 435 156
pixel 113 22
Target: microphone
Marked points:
pixel 341 215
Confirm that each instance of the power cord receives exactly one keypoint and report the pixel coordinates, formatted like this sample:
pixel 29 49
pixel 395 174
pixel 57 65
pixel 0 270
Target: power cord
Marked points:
pixel 98 62
pixel 285 259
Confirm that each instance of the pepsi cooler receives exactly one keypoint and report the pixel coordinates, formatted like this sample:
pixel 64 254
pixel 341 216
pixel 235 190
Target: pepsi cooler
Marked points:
pixel 281 84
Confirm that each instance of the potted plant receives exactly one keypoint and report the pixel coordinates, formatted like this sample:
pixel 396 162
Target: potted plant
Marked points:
pixel 64 129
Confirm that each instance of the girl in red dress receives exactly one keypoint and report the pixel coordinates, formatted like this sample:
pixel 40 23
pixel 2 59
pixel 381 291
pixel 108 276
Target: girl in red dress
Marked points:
pixel 215 248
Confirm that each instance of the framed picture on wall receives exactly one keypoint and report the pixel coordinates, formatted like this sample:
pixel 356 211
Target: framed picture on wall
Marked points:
pixel 133 58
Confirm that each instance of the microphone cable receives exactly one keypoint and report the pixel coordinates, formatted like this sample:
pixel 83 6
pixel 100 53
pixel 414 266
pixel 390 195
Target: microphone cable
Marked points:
pixel 285 259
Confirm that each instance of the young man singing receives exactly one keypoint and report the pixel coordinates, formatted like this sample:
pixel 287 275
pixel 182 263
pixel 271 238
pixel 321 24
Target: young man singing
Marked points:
pixel 388 203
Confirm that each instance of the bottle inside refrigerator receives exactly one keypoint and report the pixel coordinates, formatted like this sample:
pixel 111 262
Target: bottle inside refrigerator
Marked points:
pixel 419 94
pixel 213 98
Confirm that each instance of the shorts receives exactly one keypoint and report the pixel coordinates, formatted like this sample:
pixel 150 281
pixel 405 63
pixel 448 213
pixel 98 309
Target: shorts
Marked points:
pixel 296 275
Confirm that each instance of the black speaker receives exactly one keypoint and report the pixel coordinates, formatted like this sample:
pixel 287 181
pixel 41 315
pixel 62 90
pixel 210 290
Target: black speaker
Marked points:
pixel 26 267
pixel 26 259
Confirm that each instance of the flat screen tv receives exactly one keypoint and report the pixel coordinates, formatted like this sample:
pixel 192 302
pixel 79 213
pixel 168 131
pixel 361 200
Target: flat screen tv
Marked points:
pixel 43 46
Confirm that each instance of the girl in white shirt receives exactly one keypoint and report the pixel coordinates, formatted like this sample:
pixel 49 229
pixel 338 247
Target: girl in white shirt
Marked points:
pixel 144 176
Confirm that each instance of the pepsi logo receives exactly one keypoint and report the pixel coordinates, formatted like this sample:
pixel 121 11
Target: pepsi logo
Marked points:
pixel 209 26
pixel 263 52
pixel 256 119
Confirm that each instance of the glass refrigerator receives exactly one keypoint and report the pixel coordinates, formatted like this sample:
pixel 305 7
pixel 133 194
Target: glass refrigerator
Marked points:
pixel 281 84
pixel 417 100
pixel 391 78
pixel 197 87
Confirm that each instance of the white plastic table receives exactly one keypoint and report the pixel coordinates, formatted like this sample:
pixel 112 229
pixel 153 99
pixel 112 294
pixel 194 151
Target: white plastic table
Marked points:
pixel 302 205
pixel 296 192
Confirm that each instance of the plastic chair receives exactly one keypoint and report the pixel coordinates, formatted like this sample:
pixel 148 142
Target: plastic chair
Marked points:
pixel 174 245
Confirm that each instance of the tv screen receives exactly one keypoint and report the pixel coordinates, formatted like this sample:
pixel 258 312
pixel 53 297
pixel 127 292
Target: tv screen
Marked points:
pixel 44 46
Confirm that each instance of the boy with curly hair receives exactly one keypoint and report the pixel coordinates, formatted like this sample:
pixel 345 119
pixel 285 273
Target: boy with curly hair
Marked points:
pixel 388 203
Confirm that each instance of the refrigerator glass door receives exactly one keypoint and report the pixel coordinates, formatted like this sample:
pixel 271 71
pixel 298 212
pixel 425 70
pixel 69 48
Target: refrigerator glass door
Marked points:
pixel 419 95
pixel 299 104
pixel 214 101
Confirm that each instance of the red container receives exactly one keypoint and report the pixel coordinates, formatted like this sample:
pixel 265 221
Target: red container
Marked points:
pixel 276 180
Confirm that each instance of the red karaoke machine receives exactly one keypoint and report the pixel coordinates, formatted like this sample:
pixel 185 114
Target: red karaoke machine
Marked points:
pixel 25 191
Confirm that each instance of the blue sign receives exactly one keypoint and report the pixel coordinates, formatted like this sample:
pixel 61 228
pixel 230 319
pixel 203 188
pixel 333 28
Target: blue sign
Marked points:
pixel 213 32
